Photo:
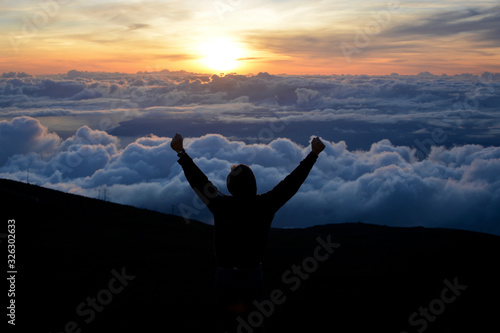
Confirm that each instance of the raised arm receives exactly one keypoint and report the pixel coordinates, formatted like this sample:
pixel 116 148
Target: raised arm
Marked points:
pixel 287 188
pixel 195 177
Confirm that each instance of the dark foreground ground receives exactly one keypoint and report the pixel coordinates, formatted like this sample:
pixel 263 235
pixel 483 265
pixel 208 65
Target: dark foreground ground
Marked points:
pixel 85 265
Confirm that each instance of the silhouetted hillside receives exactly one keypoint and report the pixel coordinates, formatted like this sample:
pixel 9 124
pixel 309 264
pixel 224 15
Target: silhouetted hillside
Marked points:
pixel 101 267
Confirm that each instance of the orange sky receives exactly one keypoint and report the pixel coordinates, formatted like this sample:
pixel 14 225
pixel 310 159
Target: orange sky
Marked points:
pixel 294 37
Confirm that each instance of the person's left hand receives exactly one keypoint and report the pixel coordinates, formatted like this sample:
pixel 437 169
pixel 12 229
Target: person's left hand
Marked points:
pixel 177 143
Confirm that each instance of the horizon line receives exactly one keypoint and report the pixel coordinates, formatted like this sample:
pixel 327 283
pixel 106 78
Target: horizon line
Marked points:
pixel 244 74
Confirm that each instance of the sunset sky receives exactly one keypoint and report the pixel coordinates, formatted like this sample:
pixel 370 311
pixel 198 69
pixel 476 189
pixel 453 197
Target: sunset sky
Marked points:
pixel 294 37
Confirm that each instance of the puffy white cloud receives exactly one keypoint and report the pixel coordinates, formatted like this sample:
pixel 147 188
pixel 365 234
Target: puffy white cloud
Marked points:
pixel 387 184
pixel 23 135
pixel 86 136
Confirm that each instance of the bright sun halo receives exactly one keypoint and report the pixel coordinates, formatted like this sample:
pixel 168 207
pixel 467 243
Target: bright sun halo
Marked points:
pixel 221 54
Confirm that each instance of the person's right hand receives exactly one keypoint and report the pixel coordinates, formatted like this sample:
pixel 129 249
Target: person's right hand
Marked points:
pixel 317 146
pixel 177 144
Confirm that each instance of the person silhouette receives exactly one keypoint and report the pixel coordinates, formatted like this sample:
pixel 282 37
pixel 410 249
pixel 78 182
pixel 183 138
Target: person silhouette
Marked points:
pixel 242 222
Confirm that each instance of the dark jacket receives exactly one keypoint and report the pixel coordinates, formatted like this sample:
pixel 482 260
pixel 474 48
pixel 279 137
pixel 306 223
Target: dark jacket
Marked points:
pixel 242 223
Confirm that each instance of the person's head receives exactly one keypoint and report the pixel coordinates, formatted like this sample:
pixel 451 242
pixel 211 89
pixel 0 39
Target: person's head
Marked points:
pixel 241 181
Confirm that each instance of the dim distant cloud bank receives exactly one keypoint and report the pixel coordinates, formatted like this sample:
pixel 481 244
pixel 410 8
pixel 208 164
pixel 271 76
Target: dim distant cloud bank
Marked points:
pixel 400 150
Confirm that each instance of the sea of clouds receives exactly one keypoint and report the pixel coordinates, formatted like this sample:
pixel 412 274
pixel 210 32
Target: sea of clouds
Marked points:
pixel 400 150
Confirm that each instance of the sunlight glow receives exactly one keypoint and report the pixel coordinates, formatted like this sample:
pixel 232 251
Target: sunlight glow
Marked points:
pixel 221 54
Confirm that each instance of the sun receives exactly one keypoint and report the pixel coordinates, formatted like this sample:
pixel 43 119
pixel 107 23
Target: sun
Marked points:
pixel 221 54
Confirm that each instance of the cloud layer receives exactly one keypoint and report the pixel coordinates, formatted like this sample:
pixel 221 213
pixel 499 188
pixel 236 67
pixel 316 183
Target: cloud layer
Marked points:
pixel 387 184
pixel 359 109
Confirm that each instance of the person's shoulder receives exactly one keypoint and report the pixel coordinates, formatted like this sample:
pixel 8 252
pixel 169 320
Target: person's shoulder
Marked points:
pixel 263 198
